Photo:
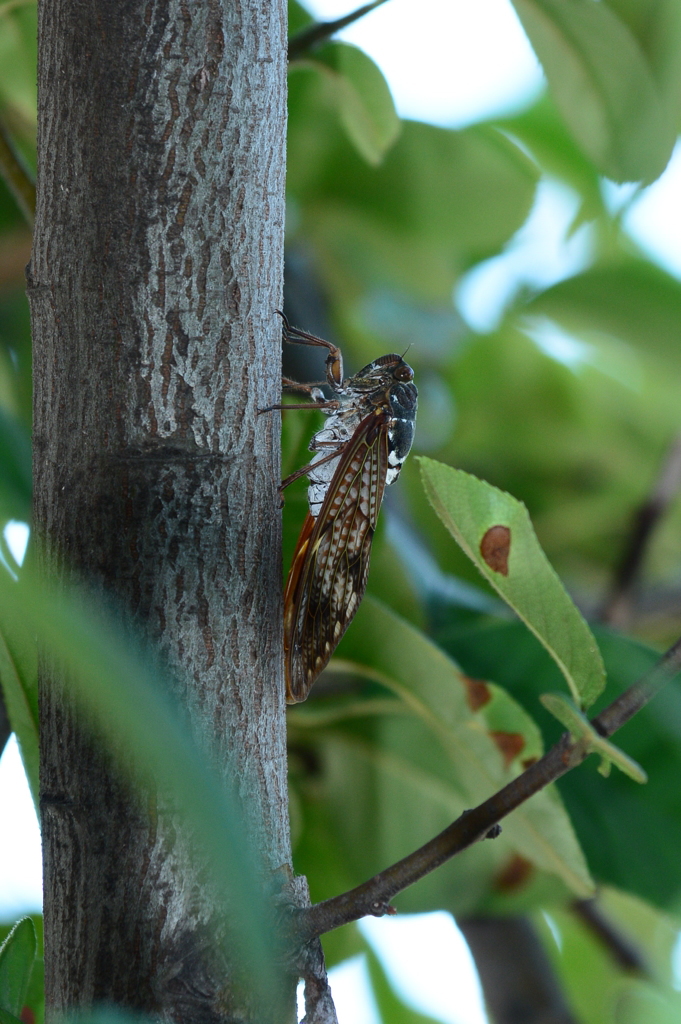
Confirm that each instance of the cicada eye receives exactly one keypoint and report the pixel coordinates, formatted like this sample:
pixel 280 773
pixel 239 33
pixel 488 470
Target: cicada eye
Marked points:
pixel 404 372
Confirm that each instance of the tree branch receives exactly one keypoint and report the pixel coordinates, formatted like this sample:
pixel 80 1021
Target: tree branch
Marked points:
pixel 320 31
pixel 16 176
pixel 374 896
pixel 645 520
pixel 623 951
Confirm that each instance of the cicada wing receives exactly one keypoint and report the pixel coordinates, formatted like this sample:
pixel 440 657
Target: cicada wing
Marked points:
pixel 331 562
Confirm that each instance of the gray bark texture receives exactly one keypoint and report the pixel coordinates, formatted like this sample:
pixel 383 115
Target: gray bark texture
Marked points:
pixel 156 269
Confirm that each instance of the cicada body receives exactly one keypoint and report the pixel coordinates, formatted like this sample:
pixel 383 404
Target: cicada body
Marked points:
pixel 358 452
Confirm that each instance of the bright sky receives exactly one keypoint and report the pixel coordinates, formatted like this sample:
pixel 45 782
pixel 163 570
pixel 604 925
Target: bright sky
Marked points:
pixel 448 62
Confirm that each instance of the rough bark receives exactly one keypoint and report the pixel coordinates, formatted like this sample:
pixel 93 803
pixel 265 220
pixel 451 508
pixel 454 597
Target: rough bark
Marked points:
pixel 156 268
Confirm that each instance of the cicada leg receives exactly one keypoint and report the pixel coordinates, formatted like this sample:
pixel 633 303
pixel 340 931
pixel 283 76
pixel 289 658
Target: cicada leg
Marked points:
pixel 334 360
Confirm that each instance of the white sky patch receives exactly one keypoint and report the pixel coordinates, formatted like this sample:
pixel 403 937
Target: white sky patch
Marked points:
pixel 554 929
pixel 654 219
pixel 557 343
pixel 16 535
pixel 20 856
pixel 676 963
pixel 610 356
pixel 429 964
pixel 352 995
pixel 449 63
pixel 538 255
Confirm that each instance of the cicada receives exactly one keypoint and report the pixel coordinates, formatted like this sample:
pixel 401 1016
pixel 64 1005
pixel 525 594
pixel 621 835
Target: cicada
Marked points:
pixel 359 450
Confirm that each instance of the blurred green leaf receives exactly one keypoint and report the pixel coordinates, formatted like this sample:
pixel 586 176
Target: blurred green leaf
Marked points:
pixel 656 25
pixel 365 105
pixel 8 1018
pixel 544 133
pixel 596 986
pixel 631 299
pixel 19 683
pixel 401 775
pixel 18 59
pixel 603 86
pixel 17 955
pixel 631 835
pixel 298 17
pixel 15 468
pixel 473 511
pixel 35 995
pixel 439 201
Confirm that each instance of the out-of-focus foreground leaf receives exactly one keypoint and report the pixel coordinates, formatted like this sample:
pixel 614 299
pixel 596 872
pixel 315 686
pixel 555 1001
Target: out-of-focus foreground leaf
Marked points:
pixel 120 695
pixel 19 686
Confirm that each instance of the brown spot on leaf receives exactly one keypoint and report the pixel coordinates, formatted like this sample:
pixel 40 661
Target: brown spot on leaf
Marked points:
pixel 494 548
pixel 27 1015
pixel 528 762
pixel 477 693
pixel 509 743
pixel 514 874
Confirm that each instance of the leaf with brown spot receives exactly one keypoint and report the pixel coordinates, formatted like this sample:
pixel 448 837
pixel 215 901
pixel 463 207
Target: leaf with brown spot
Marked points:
pixel 514 874
pixel 510 744
pixel 462 766
pixel 495 547
pixel 471 509
pixel 477 693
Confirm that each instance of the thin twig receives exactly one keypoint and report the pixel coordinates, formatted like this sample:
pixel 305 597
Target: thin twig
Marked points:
pixel 645 520
pixel 373 897
pixel 320 31
pixel 16 176
pixel 622 950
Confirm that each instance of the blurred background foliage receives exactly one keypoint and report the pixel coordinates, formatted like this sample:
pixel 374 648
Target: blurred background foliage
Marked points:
pixel 568 398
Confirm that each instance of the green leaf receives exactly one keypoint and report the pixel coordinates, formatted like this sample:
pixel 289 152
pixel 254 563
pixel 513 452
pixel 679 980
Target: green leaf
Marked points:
pixel 19 683
pixel 603 86
pixel 632 299
pixel 15 468
pixel 580 728
pixel 298 17
pixel 18 35
pixel 17 955
pixel 631 835
pixel 596 986
pixel 544 133
pixel 441 752
pixel 440 199
pixel 362 96
pixel 656 25
pixel 495 532
pixel 8 1018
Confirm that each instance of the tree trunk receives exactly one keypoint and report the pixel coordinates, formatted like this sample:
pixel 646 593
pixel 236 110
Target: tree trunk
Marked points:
pixel 155 273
